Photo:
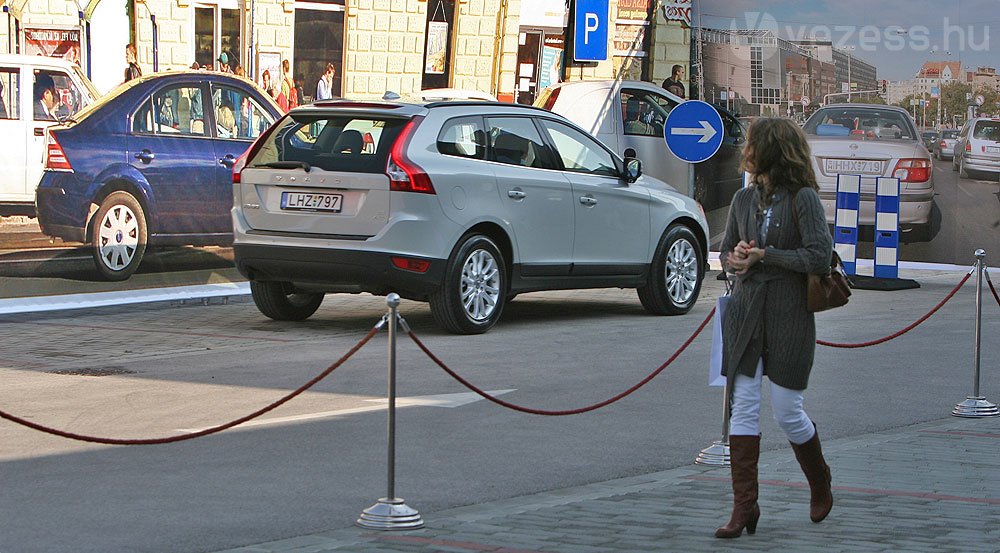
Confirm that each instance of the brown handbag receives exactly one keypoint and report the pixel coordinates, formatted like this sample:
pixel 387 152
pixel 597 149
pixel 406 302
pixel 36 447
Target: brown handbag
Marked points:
pixel 827 290
pixel 830 290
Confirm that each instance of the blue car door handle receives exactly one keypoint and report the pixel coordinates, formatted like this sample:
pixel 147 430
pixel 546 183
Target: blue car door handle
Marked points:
pixel 145 156
pixel 228 161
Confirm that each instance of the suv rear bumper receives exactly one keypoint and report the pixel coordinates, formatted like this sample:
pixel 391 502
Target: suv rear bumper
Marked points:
pixel 329 270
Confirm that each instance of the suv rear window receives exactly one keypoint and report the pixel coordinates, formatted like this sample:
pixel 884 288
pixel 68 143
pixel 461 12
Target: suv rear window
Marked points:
pixel 987 130
pixel 346 143
pixel 873 124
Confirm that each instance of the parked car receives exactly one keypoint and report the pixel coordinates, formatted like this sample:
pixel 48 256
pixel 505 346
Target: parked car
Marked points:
pixel 872 141
pixel 977 149
pixel 944 146
pixel 150 164
pixel 24 81
pixel 628 116
pixel 461 204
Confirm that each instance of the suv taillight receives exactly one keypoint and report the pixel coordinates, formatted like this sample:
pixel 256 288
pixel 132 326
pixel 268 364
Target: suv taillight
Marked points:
pixel 55 158
pixel 405 175
pixel 912 170
pixel 968 147
pixel 943 144
pixel 241 162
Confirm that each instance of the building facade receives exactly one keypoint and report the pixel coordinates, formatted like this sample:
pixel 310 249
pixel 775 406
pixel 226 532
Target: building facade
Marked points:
pixel 510 48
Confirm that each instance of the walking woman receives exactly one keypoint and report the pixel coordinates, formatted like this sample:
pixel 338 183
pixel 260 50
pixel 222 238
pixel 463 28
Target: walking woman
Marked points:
pixel 775 235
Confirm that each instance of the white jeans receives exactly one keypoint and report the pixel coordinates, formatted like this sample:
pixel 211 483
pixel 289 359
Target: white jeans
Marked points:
pixel 786 405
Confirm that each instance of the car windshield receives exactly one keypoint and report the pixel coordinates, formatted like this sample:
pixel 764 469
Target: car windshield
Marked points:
pixel 987 130
pixel 949 134
pixel 867 123
pixel 928 135
pixel 354 143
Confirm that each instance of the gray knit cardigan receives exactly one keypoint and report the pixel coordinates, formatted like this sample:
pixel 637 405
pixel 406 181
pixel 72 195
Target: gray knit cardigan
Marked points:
pixel 766 316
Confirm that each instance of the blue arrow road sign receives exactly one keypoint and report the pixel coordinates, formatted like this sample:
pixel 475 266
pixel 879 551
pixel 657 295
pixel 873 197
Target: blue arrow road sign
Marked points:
pixel 590 30
pixel 693 131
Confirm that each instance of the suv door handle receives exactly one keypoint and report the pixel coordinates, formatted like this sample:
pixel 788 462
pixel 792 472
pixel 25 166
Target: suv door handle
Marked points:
pixel 516 194
pixel 588 200
pixel 228 161
pixel 145 156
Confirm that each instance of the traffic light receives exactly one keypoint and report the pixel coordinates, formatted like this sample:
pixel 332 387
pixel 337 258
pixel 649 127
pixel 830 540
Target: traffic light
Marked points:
pixel 885 86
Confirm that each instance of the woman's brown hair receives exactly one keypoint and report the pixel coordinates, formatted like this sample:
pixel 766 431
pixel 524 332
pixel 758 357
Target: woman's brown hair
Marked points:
pixel 777 156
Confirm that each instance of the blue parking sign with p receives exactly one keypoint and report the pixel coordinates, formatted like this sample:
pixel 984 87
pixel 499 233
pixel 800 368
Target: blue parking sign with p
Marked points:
pixel 590 36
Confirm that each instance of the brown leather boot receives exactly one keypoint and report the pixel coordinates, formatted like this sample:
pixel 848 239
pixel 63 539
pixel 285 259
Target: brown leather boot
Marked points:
pixel 743 454
pixel 810 457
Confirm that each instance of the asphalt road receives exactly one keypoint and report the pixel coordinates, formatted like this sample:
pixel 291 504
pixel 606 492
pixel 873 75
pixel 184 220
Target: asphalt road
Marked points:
pixel 316 462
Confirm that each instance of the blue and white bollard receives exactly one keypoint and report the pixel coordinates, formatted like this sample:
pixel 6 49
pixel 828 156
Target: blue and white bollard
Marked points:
pixel 845 232
pixel 887 228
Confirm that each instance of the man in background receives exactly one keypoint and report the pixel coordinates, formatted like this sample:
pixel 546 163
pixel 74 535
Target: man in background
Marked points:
pixel 674 84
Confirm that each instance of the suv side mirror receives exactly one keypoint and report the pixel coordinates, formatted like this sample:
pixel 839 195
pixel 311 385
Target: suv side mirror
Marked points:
pixel 633 170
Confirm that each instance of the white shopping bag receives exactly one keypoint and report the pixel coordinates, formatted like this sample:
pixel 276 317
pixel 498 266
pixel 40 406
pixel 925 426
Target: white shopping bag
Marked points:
pixel 715 377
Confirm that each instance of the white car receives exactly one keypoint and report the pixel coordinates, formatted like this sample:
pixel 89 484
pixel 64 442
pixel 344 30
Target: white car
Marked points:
pixel 628 116
pixel 977 150
pixel 872 141
pixel 23 119
pixel 462 204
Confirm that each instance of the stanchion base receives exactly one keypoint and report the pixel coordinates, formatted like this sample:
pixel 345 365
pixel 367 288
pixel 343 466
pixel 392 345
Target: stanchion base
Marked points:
pixel 975 407
pixel 390 514
pixel 865 282
pixel 715 455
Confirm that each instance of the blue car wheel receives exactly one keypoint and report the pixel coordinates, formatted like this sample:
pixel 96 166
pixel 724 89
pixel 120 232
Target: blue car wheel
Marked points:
pixel 118 236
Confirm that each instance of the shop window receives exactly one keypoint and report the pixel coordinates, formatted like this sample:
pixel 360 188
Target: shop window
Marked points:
pixel 217 32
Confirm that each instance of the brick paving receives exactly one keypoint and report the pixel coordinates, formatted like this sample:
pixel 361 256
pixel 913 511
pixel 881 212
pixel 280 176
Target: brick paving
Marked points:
pixel 932 487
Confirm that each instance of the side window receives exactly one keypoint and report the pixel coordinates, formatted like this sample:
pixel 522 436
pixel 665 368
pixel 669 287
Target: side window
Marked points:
pixel 579 152
pixel 644 113
pixel 463 137
pixel 175 110
pixel 237 114
pixel 54 95
pixel 515 141
pixel 10 93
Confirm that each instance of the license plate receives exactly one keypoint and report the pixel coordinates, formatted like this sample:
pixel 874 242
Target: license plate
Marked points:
pixel 311 201
pixel 993 149
pixel 854 166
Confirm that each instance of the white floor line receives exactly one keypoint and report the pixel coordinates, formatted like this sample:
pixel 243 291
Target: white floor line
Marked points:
pixel 36 304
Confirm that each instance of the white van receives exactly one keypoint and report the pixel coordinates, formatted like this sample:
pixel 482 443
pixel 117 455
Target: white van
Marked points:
pixel 628 117
pixel 24 118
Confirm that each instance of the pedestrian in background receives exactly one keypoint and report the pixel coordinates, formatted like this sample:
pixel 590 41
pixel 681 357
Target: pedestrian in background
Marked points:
pixel 268 85
pixel 288 95
pixel 224 63
pixel 776 234
pixel 674 84
pixel 133 71
pixel 324 87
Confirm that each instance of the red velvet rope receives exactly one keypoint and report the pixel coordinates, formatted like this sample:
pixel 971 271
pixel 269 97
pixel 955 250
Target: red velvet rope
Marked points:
pixel 905 330
pixel 992 289
pixel 577 411
pixel 201 433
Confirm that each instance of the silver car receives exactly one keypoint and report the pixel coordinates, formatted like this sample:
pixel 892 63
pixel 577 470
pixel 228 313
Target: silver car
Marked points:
pixel 944 146
pixel 461 204
pixel 872 141
pixel 977 149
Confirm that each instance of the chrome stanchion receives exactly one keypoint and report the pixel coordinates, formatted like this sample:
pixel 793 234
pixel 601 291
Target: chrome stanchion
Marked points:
pixel 390 512
pixel 976 405
pixel 717 454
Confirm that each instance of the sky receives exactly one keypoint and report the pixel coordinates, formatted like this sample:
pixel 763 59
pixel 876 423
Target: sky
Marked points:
pixel 896 36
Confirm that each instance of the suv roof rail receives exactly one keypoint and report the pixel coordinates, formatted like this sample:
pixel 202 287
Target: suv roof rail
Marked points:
pixel 480 103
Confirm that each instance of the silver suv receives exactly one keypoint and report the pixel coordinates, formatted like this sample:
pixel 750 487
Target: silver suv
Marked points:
pixel 463 204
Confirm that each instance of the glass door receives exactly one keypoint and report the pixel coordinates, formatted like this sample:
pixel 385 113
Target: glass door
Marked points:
pixel 217 32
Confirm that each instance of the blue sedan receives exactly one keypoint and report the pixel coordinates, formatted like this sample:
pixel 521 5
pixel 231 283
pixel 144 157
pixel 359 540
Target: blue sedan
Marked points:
pixel 150 164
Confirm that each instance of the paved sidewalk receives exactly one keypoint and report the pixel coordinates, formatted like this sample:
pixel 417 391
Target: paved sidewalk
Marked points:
pixel 932 487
